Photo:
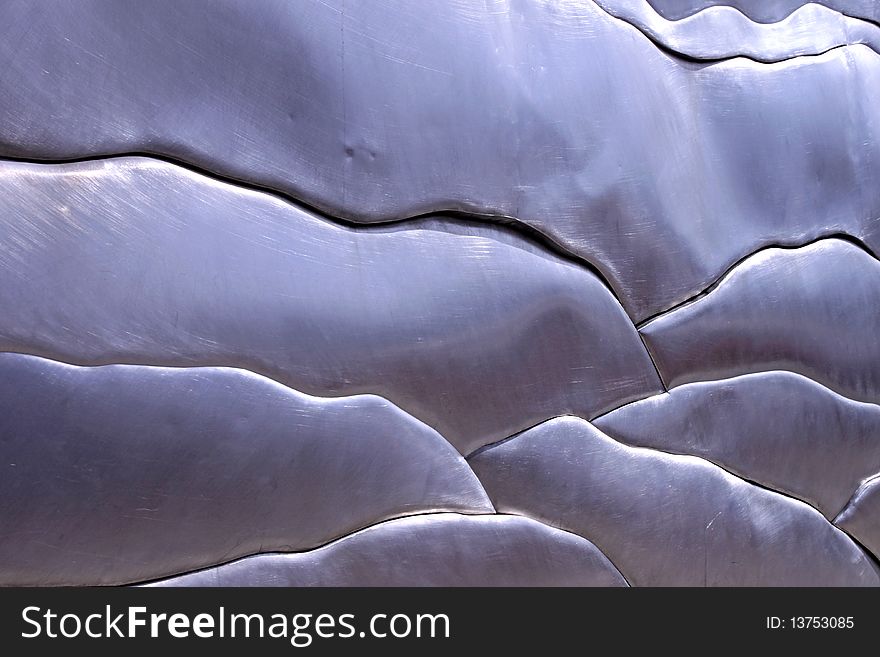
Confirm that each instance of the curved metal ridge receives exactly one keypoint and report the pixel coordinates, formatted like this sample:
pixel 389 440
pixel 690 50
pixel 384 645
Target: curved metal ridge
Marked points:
pixel 409 123
pixel 769 484
pixel 778 246
pixel 125 473
pixel 620 423
pixel 427 550
pixel 861 516
pixel 775 428
pixel 867 482
pixel 766 11
pixel 198 371
pixel 503 223
pixel 781 310
pixel 720 32
pixel 745 479
pixel 664 519
pixel 426 316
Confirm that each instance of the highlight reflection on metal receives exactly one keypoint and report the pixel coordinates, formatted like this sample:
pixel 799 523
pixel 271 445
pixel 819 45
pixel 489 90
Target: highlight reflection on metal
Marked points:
pixel 861 517
pixel 813 310
pixel 446 222
pixel 432 550
pixel 779 429
pixel 666 520
pixel 473 330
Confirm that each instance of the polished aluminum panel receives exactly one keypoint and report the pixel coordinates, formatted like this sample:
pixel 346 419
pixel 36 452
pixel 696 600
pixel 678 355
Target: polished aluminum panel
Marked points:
pixel 431 550
pixel 721 32
pixel 124 473
pixel 473 330
pixel 813 310
pixel 661 172
pixel 766 11
pixel 779 429
pixel 663 519
pixel 861 517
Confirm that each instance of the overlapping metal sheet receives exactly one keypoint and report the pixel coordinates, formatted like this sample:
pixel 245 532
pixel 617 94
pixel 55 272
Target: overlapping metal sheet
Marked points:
pixel 526 292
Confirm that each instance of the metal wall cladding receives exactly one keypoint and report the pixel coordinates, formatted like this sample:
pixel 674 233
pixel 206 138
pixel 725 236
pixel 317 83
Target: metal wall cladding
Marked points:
pixel 394 293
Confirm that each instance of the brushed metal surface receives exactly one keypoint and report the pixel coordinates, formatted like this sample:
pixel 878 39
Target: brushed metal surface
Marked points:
pixel 474 330
pixel 446 221
pixel 813 310
pixel 766 11
pixel 661 172
pixel 431 550
pixel 721 32
pixel 861 517
pixel 775 428
pixel 124 473
pixel 666 520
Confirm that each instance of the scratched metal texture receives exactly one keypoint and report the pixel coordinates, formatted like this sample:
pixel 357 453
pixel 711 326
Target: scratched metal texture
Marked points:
pixel 378 292
pixel 660 171
pixel 471 329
